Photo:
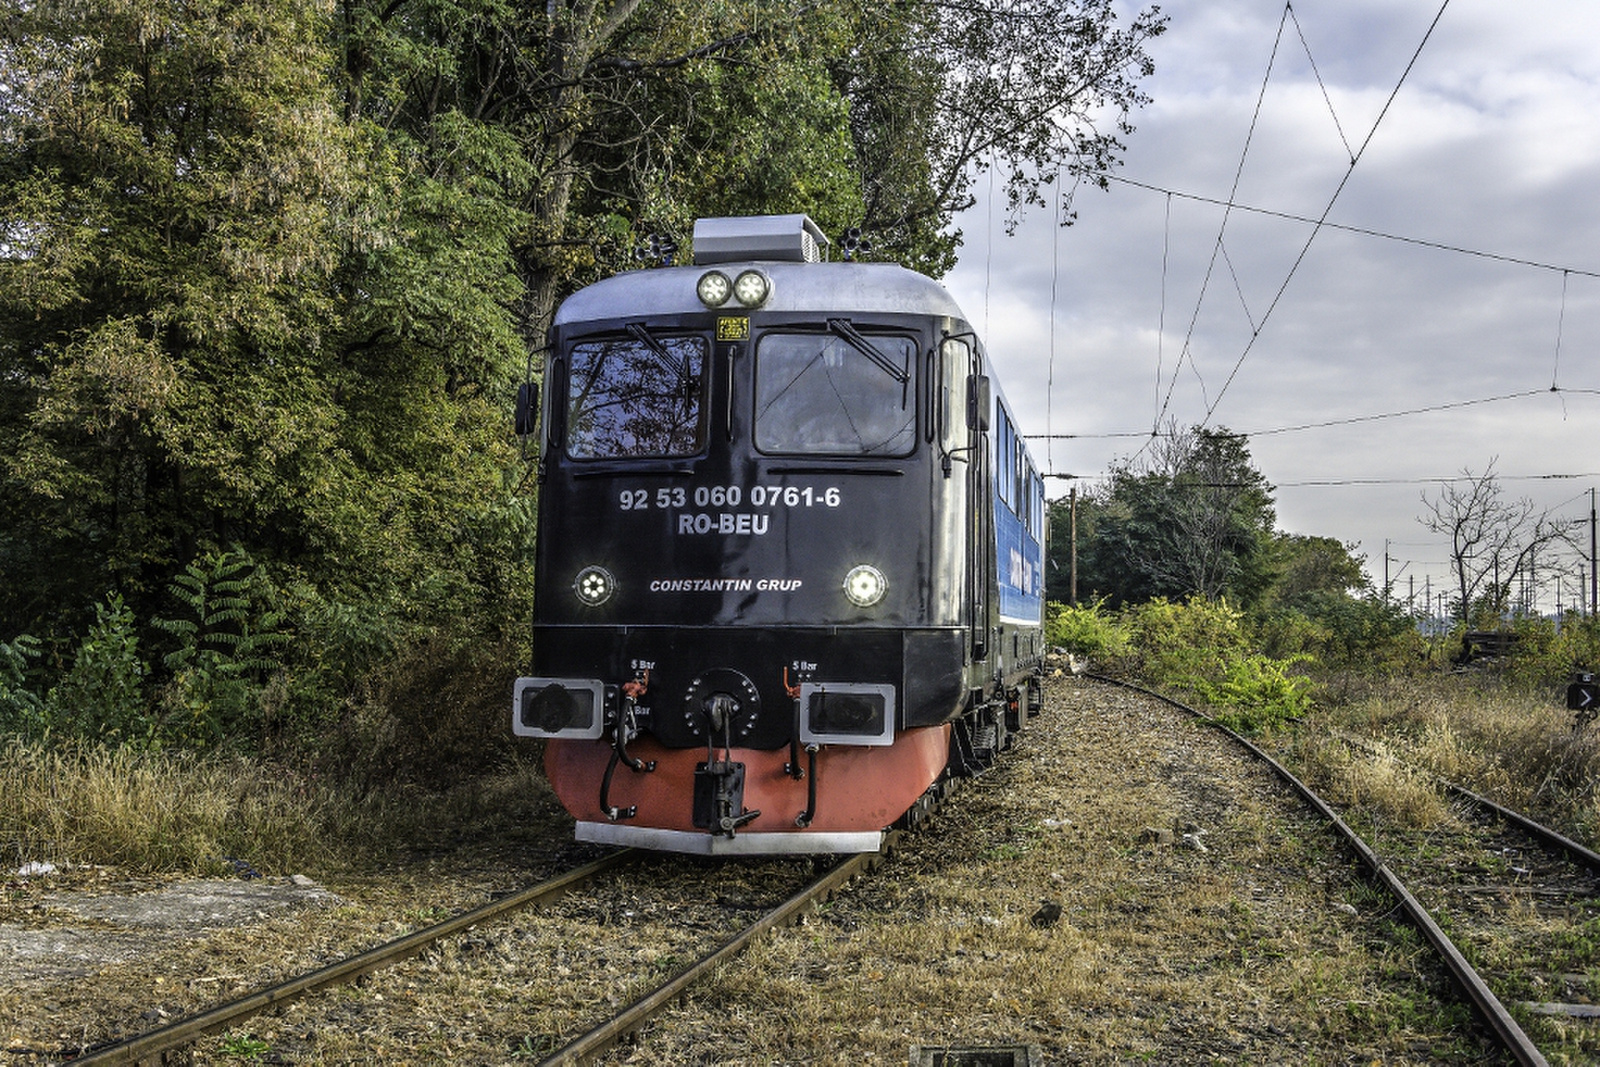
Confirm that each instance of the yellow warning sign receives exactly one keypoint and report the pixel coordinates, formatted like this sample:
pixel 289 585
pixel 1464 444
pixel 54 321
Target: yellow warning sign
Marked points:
pixel 733 329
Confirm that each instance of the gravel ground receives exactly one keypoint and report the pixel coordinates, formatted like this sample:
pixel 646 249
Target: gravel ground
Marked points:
pixel 1123 888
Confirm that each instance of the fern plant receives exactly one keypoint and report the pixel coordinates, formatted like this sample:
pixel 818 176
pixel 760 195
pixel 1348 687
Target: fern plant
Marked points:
pixel 226 640
pixel 21 710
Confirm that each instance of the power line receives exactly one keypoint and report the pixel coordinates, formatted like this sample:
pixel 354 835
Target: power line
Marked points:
pixel 1361 230
pixel 1238 175
pixel 1348 420
pixel 1295 266
pixel 1339 482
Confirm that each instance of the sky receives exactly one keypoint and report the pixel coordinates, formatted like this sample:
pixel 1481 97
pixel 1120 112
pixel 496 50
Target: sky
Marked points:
pixel 1491 146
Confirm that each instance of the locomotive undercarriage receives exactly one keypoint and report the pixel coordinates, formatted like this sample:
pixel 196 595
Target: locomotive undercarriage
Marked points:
pixel 844 766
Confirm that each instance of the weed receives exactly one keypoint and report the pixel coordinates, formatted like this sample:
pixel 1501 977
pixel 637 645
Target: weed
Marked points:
pixel 243 1046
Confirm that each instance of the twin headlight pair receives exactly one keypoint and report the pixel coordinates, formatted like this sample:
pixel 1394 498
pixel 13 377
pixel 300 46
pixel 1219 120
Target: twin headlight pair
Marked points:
pixel 864 586
pixel 751 288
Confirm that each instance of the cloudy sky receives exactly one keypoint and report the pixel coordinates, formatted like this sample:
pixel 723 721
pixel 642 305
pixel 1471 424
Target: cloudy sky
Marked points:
pixel 1491 146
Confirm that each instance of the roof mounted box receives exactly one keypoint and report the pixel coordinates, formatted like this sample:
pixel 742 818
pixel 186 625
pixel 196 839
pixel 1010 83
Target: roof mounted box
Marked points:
pixel 781 238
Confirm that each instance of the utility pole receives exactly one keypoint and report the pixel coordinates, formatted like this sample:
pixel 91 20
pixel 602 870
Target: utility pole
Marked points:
pixel 1594 576
pixel 1386 570
pixel 1073 511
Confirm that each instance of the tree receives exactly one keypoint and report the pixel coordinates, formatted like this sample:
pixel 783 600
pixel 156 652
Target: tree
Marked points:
pixel 232 313
pixel 1195 518
pixel 1491 538
pixel 1031 88
pixel 1308 567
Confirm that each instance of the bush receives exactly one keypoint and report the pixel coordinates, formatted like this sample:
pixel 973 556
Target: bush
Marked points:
pixel 21 710
pixel 1203 647
pixel 1085 631
pixel 1180 644
pixel 102 695
pixel 224 652
pixel 1336 629
pixel 1257 692
pixel 1548 652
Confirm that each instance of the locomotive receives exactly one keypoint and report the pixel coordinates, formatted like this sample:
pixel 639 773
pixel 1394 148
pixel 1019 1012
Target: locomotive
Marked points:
pixel 789 574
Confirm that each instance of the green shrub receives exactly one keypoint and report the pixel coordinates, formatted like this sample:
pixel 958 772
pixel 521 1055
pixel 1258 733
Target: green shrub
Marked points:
pixel 224 650
pixel 1180 644
pixel 101 697
pixel 1086 631
pixel 21 710
pixel 1204 647
pixel 1547 652
pixel 1257 692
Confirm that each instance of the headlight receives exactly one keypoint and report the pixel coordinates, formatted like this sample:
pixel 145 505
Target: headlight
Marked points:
pixel 594 586
pixel 865 586
pixel 713 289
pixel 752 288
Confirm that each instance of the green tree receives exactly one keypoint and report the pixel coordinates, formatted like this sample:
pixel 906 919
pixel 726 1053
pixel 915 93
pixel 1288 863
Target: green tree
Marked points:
pixel 1308 566
pixel 233 310
pixel 1195 518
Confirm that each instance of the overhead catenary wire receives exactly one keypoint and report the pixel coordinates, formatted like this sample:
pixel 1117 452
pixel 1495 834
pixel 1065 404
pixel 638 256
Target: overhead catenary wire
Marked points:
pixel 1363 231
pixel 1347 420
pixel 1205 282
pixel 1317 228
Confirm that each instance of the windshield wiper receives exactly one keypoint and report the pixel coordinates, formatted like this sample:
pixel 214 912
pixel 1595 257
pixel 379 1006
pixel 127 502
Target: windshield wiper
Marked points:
pixel 856 341
pixel 663 357
pixel 677 367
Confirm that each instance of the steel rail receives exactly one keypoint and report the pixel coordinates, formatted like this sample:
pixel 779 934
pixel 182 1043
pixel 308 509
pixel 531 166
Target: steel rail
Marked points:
pixel 1489 1007
pixel 1550 836
pixel 591 1045
pixel 154 1045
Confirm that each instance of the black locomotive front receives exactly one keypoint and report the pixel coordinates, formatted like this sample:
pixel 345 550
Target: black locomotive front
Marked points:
pixel 757 603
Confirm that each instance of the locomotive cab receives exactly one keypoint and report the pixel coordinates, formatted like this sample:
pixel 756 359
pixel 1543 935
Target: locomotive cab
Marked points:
pixel 777 573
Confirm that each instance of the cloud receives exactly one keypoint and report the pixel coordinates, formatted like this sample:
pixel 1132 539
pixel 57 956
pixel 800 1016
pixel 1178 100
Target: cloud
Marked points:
pixel 1490 145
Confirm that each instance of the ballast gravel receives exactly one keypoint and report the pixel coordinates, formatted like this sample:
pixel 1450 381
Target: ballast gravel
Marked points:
pixel 1125 886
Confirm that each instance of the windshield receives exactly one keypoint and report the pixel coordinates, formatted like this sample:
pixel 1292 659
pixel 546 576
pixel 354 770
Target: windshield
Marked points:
pixel 836 394
pixel 635 396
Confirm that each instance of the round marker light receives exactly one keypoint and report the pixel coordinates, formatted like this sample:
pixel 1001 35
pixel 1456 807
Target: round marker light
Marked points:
pixel 713 289
pixel 751 288
pixel 594 586
pixel 865 586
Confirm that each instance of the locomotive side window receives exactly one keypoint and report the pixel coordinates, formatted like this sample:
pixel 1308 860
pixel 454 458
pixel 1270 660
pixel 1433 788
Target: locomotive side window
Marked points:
pixel 635 396
pixel 823 394
pixel 1006 457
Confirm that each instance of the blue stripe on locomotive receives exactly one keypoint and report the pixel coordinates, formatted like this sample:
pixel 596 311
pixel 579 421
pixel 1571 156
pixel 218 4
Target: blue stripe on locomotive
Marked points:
pixel 1019 551
pixel 1020 561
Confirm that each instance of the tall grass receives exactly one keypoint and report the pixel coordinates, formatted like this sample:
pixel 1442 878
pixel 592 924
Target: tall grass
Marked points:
pixel 1516 744
pixel 153 810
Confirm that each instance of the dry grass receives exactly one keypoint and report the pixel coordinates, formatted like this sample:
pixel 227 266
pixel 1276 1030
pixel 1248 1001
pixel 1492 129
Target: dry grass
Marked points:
pixel 1375 779
pixel 159 811
pixel 1519 748
pixel 153 811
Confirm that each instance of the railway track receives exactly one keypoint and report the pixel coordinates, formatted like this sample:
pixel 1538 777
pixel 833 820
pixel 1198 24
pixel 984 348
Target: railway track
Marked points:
pixel 1494 868
pixel 603 1036
pixel 168 1042
pixel 157 1045
pixel 1467 879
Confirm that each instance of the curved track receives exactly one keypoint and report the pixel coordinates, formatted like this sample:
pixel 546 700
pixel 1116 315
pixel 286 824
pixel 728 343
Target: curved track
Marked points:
pixel 1489 1008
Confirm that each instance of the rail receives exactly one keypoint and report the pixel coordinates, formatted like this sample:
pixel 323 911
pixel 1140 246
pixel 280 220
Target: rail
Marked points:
pixel 155 1045
pixel 1510 1035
